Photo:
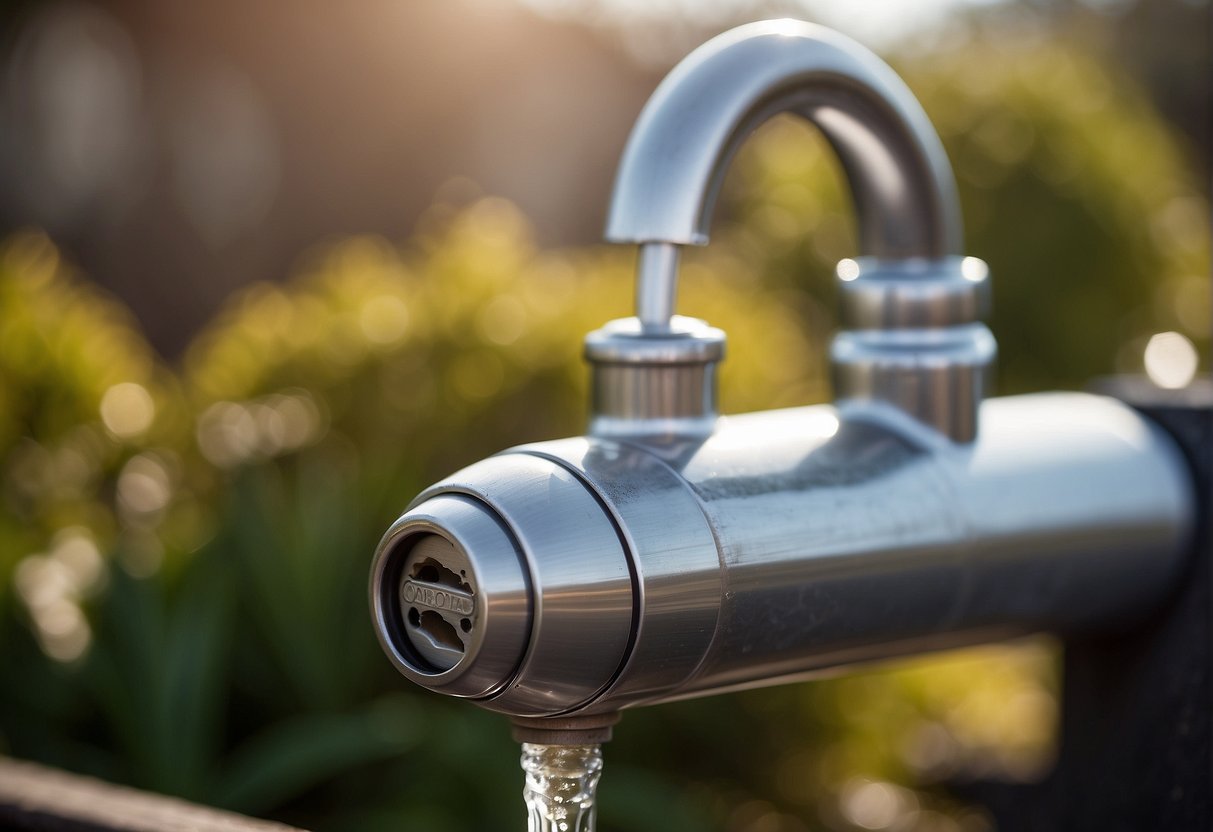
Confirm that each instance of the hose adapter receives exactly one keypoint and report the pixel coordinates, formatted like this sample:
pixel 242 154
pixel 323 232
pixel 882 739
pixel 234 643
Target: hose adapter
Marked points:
pixel 506 583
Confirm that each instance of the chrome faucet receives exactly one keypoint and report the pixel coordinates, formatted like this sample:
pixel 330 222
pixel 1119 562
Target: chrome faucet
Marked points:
pixel 674 553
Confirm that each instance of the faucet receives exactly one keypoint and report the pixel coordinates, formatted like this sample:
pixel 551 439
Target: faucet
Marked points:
pixel 674 553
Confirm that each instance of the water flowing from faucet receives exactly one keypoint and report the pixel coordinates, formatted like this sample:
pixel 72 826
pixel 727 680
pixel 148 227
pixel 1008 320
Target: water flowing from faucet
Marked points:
pixel 561 785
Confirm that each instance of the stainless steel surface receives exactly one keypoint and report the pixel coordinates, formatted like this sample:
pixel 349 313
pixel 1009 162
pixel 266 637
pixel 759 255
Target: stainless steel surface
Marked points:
pixel 913 294
pixel 938 376
pixel 656 285
pixel 1070 513
pixel 915 339
pixel 654 381
pixel 675 553
pixel 911 304
pixel 675 159
pixel 679 581
pixel 792 541
pixel 577 573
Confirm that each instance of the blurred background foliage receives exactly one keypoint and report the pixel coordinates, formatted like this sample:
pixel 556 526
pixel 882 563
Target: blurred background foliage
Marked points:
pixel 184 548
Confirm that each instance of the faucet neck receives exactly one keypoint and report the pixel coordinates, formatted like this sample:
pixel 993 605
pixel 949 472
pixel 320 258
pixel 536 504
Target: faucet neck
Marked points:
pixel 686 136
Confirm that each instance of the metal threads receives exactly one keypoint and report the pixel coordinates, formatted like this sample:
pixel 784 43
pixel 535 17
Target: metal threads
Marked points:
pixel 582 729
pixel 560 786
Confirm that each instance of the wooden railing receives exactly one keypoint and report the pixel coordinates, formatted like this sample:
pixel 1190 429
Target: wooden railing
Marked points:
pixel 33 797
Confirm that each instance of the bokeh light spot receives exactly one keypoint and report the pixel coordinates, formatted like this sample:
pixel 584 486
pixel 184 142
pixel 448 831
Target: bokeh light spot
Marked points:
pixel 847 270
pixel 231 433
pixel 41 581
pixel 875 805
pixel 127 410
pixel 144 487
pixel 75 548
pixel 51 587
pixel 227 434
pixel 974 269
pixel 301 420
pixel 1171 360
pixel 63 632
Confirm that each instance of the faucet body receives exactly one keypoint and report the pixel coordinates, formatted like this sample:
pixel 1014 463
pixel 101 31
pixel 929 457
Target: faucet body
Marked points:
pixel 788 542
pixel 674 553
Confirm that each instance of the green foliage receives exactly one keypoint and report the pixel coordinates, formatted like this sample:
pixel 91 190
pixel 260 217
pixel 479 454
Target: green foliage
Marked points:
pixel 188 551
pixel 64 345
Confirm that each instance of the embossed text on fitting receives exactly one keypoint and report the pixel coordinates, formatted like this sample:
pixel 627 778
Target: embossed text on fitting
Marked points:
pixel 437 597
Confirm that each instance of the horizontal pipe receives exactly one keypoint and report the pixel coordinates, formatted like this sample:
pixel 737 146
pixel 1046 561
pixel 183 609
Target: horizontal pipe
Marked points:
pixel 792 541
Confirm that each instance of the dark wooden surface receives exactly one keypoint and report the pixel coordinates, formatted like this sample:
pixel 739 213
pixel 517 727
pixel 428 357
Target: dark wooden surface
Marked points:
pixel 34 797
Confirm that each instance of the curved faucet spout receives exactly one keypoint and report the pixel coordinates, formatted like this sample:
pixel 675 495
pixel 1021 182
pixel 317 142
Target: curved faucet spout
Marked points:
pixel 904 192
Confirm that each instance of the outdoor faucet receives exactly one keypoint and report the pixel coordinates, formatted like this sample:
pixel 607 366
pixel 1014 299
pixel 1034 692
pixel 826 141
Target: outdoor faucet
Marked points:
pixel 674 553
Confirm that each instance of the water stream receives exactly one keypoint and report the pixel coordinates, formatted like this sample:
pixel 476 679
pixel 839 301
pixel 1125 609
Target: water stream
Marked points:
pixel 561 782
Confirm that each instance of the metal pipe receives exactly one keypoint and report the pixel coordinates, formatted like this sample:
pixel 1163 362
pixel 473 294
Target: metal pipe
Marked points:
pixel 656 285
pixel 675 159
pixel 788 542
